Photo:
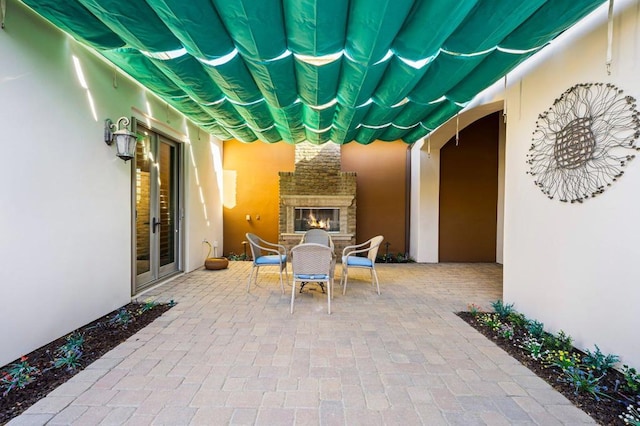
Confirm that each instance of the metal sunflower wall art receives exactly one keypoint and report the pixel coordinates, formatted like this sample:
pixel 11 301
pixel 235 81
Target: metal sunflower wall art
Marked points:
pixel 582 143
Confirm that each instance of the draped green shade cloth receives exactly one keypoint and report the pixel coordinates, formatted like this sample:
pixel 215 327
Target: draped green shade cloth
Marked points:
pixel 316 70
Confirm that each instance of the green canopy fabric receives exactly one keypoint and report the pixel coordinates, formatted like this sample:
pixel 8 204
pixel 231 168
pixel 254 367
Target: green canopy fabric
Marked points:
pixel 316 70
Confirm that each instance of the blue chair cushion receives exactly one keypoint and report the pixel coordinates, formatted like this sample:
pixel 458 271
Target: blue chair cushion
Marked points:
pixel 312 277
pixel 363 262
pixel 271 259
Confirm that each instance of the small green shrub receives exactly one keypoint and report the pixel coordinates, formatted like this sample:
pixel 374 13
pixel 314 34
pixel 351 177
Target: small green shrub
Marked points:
pixel 19 375
pixel 121 318
pixel 517 319
pixel 394 258
pixel 598 361
pixel 535 328
pixel 632 380
pixel 559 342
pixel 501 309
pixel 70 359
pixel 233 256
pixel 69 354
pixel 147 306
pixel 75 340
pixel 584 382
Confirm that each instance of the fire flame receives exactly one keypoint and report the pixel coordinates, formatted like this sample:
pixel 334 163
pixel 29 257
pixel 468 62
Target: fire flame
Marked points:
pixel 315 223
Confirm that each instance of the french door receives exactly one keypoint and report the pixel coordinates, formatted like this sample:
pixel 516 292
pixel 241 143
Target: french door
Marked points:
pixel 157 226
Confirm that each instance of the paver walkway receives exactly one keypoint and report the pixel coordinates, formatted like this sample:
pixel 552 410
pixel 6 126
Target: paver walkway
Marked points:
pixel 225 356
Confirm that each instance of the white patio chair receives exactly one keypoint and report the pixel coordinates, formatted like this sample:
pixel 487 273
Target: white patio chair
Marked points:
pixel 350 260
pixel 312 262
pixel 265 253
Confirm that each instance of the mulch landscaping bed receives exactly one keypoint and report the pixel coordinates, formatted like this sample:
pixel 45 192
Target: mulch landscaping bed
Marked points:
pixel 100 336
pixel 605 411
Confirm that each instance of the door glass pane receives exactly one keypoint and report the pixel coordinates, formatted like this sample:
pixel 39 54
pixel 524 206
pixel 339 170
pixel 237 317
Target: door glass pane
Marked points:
pixel 167 203
pixel 143 206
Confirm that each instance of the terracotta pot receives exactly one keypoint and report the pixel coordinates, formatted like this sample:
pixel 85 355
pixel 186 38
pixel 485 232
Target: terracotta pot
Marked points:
pixel 215 263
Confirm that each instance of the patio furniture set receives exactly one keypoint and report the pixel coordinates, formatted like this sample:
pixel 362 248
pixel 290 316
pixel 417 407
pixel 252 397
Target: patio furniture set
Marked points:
pixel 313 260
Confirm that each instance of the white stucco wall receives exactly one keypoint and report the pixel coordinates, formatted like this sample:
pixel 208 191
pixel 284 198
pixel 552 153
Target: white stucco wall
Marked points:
pixel 65 201
pixel 425 207
pixel 204 215
pixel 574 266
pixel 500 203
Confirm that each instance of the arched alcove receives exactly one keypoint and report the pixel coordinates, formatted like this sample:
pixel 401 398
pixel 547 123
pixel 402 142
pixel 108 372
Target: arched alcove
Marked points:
pixel 469 193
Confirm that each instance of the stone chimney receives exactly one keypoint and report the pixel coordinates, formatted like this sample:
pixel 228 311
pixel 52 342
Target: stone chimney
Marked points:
pixel 318 182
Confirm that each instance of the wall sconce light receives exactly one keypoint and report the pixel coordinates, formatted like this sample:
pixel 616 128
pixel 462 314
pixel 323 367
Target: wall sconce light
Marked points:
pixel 124 138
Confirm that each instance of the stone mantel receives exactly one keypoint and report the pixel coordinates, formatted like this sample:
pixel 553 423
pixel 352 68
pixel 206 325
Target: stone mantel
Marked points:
pixel 335 236
pixel 316 200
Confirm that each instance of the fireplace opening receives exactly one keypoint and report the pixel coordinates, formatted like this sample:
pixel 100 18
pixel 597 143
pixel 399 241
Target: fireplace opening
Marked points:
pixel 317 218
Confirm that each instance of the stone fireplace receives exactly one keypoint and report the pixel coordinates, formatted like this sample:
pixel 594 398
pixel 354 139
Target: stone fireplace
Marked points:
pixel 318 195
pixel 306 218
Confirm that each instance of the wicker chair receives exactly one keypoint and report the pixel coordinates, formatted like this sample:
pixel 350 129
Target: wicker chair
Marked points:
pixel 317 236
pixel 312 262
pixel 350 260
pixel 320 236
pixel 265 253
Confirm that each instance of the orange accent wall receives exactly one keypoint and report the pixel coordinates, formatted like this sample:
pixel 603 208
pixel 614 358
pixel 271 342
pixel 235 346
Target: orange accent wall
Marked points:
pixel 254 191
pixel 381 191
pixel 469 194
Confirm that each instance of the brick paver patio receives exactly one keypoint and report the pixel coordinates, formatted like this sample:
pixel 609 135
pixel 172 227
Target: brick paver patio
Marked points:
pixel 225 356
